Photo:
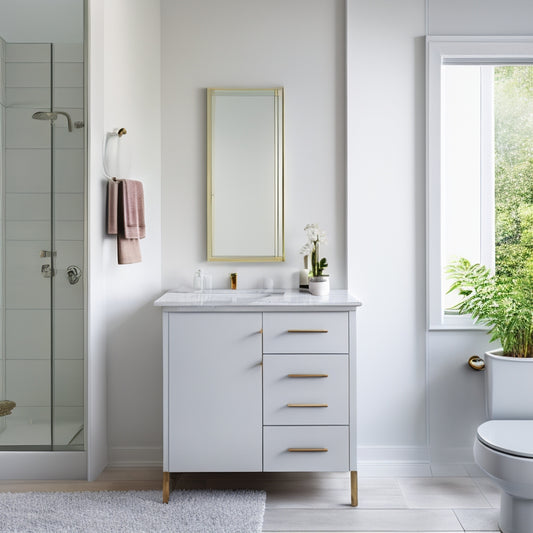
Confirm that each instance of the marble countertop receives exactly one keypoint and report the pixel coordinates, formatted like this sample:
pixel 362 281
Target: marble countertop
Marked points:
pixel 256 299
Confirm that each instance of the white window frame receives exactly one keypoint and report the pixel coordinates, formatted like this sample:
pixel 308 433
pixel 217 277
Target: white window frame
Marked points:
pixel 456 50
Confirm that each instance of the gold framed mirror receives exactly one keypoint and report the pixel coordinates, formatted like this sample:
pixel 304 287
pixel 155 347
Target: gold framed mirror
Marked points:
pixel 245 175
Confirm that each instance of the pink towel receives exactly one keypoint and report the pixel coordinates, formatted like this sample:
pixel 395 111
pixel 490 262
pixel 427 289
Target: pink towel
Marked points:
pixel 125 218
pixel 128 251
pixel 133 209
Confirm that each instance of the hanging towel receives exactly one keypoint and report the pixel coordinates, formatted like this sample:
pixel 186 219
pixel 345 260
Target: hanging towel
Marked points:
pixel 125 218
pixel 133 209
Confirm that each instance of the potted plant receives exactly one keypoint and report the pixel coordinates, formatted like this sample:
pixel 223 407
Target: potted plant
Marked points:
pixel 505 305
pixel 318 279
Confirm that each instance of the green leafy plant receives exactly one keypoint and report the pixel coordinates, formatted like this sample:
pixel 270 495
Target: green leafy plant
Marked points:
pixel 502 303
pixel 319 266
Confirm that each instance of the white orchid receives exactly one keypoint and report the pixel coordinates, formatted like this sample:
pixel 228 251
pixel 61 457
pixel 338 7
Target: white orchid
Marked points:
pixel 315 237
pixel 315 234
pixel 306 249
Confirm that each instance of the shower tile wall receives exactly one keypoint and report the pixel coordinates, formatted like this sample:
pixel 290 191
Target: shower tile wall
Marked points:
pixel 28 230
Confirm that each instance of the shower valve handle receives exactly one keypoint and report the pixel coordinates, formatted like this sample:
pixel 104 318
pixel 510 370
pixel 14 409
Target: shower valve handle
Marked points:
pixel 73 274
pixel 47 271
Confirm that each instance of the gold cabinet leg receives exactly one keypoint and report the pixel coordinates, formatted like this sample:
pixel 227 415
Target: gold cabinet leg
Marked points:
pixel 353 487
pixel 166 486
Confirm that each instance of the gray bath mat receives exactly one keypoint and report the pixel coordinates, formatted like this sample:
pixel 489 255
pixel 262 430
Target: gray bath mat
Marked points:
pixel 188 511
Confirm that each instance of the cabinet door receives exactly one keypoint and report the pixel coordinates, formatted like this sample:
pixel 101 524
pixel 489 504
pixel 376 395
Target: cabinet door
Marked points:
pixel 214 392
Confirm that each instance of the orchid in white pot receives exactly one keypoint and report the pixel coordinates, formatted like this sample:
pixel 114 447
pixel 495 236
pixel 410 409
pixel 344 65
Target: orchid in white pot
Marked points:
pixel 318 280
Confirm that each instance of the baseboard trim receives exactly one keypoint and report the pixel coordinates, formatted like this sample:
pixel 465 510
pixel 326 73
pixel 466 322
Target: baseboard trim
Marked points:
pixel 416 461
pixel 43 465
pixel 392 454
pixel 136 456
pixel 372 461
pixel 393 461
pixel 452 455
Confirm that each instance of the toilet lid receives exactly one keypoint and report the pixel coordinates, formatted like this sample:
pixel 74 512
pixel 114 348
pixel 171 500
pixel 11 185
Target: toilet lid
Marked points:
pixel 514 437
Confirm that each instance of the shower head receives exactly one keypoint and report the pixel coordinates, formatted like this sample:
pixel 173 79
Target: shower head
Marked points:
pixel 45 115
pixel 52 117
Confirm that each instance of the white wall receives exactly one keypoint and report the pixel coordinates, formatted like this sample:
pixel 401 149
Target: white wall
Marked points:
pixel 132 100
pixel 386 223
pixel 241 43
pixel 455 393
pixel 402 385
pixel 309 63
pixel 127 68
pixel 479 17
pixel 417 399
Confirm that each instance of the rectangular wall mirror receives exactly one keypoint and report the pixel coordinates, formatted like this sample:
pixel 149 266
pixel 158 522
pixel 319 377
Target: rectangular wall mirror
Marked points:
pixel 245 175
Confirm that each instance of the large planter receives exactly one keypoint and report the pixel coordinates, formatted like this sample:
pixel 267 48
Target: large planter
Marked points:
pixel 509 386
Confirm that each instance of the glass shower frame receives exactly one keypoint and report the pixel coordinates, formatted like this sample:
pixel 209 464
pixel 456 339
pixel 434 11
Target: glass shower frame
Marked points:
pixel 62 348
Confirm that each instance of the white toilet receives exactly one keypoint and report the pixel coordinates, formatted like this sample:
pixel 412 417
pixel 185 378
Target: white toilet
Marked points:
pixel 503 449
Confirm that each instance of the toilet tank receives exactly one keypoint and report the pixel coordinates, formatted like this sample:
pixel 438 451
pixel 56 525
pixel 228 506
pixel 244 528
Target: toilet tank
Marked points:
pixel 508 387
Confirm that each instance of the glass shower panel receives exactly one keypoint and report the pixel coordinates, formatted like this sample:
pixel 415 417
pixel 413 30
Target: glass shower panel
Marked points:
pixel 28 260
pixel 42 217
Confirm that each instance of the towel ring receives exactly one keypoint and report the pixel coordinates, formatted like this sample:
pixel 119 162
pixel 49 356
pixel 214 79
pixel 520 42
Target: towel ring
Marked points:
pixel 115 133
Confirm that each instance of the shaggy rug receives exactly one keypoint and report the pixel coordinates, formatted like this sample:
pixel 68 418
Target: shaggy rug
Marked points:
pixel 188 511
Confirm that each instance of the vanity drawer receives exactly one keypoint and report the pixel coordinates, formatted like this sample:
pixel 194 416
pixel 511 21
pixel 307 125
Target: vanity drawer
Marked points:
pixel 306 449
pixel 306 389
pixel 313 332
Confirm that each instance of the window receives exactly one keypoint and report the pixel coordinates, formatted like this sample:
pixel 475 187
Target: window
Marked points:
pixel 479 161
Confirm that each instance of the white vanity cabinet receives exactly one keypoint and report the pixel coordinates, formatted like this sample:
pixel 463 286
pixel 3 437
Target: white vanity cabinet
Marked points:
pixel 259 385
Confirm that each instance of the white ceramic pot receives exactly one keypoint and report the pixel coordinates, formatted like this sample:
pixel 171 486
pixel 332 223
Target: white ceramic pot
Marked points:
pixel 319 285
pixel 509 386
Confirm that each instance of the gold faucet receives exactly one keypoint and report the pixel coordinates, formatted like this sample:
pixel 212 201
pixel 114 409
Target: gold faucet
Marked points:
pixel 233 278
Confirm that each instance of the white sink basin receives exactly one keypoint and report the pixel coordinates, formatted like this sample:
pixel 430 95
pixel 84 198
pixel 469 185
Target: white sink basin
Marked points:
pixel 225 296
pixel 239 295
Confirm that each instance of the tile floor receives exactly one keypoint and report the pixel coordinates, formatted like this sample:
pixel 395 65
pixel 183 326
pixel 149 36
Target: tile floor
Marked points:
pixel 320 502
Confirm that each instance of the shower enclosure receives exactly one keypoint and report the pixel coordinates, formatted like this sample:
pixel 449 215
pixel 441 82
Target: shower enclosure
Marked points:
pixel 42 182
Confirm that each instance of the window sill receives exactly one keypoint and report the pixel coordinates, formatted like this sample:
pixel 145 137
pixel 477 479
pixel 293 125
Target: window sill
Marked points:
pixel 457 322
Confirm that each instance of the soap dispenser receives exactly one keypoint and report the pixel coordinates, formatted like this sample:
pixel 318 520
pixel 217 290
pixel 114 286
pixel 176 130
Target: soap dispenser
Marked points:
pixel 198 280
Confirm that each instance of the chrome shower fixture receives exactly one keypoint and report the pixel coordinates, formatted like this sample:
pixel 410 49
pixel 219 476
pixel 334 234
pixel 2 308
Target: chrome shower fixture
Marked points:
pixel 52 117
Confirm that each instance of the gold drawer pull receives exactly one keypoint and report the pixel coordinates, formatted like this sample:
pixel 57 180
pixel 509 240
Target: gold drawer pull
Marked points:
pixel 307 405
pixel 308 450
pixel 307 331
pixel 307 375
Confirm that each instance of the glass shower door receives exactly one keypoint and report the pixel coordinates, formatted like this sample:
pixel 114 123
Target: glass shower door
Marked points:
pixel 42 245
pixel 68 179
